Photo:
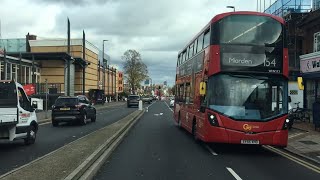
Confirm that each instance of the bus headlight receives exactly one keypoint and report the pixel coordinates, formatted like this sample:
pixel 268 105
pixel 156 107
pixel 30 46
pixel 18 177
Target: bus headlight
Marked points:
pixel 286 124
pixel 213 119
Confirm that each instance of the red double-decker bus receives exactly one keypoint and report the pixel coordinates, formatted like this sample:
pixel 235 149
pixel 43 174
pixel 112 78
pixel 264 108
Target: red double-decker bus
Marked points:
pixel 232 81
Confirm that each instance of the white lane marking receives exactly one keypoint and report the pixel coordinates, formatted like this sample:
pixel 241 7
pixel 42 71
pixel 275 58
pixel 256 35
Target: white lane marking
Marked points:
pixel 211 151
pixel 295 135
pixel 168 106
pixel 234 174
pixel 151 104
pixel 45 123
pixel 147 108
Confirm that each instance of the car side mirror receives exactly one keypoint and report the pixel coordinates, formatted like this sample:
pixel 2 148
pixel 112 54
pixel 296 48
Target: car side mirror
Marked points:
pixel 34 105
pixel 202 109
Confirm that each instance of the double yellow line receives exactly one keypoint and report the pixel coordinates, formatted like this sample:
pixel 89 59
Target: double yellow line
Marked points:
pixel 295 159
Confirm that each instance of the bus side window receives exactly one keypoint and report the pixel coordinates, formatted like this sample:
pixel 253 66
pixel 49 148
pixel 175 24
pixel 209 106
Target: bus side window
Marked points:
pixel 181 93
pixel 196 46
pixel 187 93
pixel 200 43
pixel 206 39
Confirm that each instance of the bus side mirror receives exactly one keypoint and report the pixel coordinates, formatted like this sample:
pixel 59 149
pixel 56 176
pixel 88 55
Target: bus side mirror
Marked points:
pixel 289 99
pixel 300 83
pixel 203 88
pixel 202 109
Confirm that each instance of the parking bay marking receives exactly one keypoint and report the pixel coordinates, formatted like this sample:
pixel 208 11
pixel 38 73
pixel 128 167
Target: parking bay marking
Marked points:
pixel 211 151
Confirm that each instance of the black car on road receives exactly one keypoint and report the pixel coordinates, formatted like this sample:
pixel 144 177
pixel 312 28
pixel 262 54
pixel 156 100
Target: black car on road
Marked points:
pixel 73 109
pixel 133 100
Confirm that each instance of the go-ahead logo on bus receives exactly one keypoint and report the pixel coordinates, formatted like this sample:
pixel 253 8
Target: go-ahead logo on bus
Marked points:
pixel 248 127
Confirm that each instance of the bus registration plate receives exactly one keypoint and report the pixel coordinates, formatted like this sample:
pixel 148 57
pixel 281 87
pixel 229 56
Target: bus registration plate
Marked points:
pixel 249 141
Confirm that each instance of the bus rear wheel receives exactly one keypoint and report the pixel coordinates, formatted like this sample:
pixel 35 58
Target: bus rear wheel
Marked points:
pixel 179 121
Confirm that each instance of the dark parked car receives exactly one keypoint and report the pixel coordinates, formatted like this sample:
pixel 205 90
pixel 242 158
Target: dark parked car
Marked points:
pixel 72 109
pixel 133 100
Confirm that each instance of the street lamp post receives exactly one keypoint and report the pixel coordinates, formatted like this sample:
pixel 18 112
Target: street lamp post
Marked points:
pixel 104 70
pixel 232 7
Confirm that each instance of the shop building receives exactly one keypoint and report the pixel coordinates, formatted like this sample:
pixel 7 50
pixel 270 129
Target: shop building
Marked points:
pixel 310 61
pixel 50 59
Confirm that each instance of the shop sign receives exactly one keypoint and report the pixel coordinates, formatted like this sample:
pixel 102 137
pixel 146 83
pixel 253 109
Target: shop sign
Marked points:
pixel 310 65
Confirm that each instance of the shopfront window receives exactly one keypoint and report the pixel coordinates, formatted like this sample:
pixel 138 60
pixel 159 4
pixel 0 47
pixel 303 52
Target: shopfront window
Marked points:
pixel 2 70
pixel 316 46
pixel 310 93
pixel 9 71
pixel 23 74
pixel 316 4
pixel 14 71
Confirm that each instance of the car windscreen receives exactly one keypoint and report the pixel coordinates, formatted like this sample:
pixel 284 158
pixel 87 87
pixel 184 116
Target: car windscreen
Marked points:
pixel 8 95
pixel 133 97
pixel 66 102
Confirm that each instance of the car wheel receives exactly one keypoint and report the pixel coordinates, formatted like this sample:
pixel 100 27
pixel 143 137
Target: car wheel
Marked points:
pixel 94 117
pixel 31 135
pixel 84 119
pixel 55 123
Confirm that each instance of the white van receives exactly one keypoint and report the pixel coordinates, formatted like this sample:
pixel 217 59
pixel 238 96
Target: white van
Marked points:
pixel 18 118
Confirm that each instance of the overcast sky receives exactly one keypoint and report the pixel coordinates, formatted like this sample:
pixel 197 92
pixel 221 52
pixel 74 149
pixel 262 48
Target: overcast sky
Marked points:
pixel 158 29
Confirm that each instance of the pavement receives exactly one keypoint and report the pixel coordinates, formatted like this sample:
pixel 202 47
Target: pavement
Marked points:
pixel 304 141
pixel 44 117
pixel 156 148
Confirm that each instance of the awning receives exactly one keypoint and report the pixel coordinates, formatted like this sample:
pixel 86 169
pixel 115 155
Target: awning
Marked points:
pixel 42 56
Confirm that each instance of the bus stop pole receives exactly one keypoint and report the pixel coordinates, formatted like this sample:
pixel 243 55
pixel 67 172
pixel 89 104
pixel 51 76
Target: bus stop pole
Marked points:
pixel 46 98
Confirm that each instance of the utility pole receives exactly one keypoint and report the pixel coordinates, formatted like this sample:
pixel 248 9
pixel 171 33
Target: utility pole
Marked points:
pixel 84 66
pixel 68 60
pixel 5 69
pixel 104 67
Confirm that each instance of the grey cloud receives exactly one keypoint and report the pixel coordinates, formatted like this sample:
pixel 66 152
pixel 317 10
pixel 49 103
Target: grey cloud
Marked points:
pixel 73 2
pixel 157 29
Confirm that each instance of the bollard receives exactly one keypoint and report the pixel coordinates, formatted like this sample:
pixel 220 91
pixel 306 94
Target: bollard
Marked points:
pixel 140 105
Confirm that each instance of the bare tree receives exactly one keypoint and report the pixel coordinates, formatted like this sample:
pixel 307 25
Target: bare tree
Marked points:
pixel 134 69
